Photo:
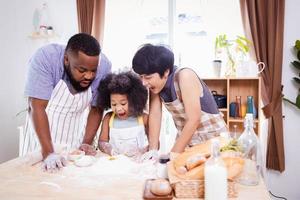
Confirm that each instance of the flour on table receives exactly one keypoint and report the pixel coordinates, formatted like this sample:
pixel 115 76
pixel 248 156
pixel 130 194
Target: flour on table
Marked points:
pixel 112 170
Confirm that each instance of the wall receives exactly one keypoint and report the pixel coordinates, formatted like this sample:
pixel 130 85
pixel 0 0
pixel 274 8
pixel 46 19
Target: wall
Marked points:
pixel 285 184
pixel 16 48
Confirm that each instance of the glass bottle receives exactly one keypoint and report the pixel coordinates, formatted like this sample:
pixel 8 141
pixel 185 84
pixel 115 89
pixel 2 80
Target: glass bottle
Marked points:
pixel 238 108
pixel 215 174
pixel 251 153
pixel 234 134
pixel 251 106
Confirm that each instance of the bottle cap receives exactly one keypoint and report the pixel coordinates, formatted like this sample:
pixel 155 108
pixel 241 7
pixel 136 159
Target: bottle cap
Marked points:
pixel 164 159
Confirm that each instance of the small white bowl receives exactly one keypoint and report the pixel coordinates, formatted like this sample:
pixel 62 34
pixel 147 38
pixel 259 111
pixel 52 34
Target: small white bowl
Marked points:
pixel 84 161
pixel 75 155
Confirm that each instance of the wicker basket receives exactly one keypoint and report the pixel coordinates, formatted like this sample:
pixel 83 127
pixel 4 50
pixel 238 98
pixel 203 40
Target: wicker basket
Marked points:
pixel 195 189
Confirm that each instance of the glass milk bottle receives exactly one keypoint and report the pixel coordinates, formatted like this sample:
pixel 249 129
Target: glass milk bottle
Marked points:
pixel 215 174
pixel 251 153
pixel 162 171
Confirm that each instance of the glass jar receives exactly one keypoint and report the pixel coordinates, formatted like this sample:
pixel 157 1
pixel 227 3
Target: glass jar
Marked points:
pixel 251 153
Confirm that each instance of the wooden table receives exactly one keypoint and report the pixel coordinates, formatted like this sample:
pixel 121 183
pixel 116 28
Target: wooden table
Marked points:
pixel 22 179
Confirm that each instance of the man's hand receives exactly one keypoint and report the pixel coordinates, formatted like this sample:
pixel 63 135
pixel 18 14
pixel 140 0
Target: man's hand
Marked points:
pixel 53 162
pixel 88 149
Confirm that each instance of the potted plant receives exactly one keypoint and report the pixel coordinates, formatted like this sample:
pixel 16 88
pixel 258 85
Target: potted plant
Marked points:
pixel 233 49
pixel 296 64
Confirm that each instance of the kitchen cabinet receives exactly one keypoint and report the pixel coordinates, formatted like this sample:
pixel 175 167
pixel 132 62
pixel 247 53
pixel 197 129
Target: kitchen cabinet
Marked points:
pixel 233 87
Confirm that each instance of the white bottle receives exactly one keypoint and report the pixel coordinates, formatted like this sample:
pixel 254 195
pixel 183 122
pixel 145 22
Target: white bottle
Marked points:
pixel 251 153
pixel 215 174
pixel 162 171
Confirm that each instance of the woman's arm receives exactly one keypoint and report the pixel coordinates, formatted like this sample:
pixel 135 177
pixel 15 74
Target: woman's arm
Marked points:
pixel 190 88
pixel 155 113
pixel 145 120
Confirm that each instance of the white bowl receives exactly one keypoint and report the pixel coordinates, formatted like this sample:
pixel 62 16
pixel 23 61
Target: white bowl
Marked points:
pixel 85 161
pixel 75 155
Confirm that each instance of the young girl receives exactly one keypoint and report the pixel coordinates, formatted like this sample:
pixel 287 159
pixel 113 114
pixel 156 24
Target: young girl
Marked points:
pixel 123 129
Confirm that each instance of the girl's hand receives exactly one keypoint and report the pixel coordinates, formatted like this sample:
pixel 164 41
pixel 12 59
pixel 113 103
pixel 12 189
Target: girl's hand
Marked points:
pixel 149 155
pixel 107 148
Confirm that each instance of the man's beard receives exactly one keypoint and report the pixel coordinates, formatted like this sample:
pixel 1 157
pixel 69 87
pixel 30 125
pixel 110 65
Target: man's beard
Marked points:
pixel 76 84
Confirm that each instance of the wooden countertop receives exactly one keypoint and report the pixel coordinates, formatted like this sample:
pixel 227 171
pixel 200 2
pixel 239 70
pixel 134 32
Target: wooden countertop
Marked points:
pixel 22 178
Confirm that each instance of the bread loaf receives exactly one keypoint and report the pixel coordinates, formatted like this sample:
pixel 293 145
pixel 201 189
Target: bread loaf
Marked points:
pixel 234 166
pixel 189 165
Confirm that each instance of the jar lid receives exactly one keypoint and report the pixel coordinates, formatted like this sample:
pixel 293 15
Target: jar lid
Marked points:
pixel 164 159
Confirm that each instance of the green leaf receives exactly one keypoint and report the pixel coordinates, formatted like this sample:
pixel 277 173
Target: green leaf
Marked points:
pixel 296 64
pixel 297 79
pixel 298 101
pixel 242 44
pixel 289 101
pixel 297 45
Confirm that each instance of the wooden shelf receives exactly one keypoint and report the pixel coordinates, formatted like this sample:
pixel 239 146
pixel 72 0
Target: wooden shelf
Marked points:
pixel 232 87
pixel 36 35
pixel 241 120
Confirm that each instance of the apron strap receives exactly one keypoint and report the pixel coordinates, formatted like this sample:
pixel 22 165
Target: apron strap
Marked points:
pixel 111 120
pixel 140 120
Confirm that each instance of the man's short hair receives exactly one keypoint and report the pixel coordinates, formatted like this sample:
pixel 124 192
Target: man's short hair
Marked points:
pixel 85 43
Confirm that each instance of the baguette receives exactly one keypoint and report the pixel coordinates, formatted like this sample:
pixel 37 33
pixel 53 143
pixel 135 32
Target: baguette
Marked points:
pixel 204 149
pixel 196 173
pixel 194 161
pixel 234 166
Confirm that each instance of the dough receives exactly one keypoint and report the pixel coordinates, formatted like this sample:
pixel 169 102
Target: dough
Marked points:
pixel 160 187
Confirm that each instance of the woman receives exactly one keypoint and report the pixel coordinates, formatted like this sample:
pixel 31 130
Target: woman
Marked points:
pixel 183 93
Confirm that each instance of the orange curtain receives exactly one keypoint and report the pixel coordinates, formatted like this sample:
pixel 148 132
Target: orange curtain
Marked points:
pixel 263 22
pixel 85 13
pixel 90 15
pixel 98 22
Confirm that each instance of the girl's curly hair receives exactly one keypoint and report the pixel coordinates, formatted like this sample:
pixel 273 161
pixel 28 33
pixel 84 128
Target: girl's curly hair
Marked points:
pixel 125 83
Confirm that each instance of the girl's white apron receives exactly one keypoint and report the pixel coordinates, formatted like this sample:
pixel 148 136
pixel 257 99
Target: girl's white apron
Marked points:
pixel 130 140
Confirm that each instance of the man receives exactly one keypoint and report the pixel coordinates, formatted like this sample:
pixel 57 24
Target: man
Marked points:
pixel 61 84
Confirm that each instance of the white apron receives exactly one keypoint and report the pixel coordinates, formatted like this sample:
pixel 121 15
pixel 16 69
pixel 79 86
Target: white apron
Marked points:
pixel 66 118
pixel 129 140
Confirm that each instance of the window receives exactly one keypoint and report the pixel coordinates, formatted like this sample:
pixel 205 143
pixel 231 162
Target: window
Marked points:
pixel 189 27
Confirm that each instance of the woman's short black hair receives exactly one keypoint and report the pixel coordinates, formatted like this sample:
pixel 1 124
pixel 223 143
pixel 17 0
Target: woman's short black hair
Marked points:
pixel 85 43
pixel 125 83
pixel 151 59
